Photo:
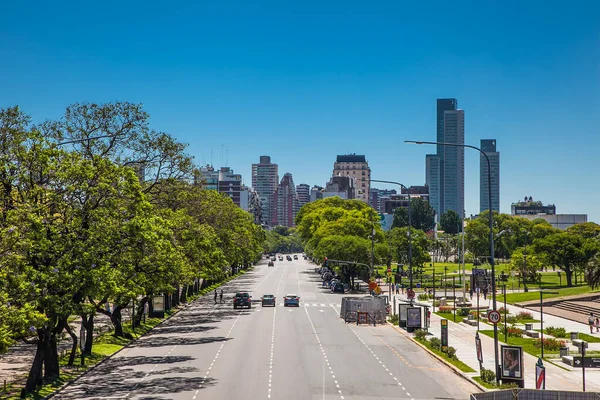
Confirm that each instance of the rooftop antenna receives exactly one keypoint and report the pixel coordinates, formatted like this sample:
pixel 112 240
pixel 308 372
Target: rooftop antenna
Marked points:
pixel 211 156
pixel 222 146
pixel 227 157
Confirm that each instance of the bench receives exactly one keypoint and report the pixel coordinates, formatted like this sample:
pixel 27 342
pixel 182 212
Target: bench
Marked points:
pixel 532 334
pixel 472 322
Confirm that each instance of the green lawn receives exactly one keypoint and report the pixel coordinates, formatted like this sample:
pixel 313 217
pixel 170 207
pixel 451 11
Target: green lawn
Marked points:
pixel 457 363
pixel 526 343
pixel 493 385
pixel 563 291
pixel 590 338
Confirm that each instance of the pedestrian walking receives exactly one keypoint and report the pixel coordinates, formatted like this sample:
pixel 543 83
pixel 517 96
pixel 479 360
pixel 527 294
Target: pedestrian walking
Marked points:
pixel 215 296
pixel 471 293
pixel 221 296
pixel 485 292
pixel 597 324
pixel 397 288
pixel 591 322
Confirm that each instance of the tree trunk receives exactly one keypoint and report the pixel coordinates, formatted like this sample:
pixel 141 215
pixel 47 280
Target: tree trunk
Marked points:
pixel 51 363
pixel 140 312
pixel 569 275
pixel 116 319
pixel 190 291
pixel 88 324
pixel 73 347
pixel 35 377
pixel 184 292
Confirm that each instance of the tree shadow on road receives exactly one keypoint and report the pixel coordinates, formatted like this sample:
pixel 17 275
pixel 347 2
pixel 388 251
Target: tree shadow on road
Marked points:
pixel 195 328
pixel 162 341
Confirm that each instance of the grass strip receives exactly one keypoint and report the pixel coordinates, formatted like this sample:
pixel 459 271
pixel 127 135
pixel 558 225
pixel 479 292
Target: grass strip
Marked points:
pixel 456 362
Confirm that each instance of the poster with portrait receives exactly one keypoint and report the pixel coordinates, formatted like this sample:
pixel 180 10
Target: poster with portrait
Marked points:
pixel 413 317
pixel 512 362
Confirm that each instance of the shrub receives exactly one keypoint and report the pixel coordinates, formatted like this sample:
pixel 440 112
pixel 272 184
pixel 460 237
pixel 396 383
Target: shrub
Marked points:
pixel 436 303
pixel 511 319
pixel 420 334
pixel 464 312
pixel 502 309
pixel 513 331
pixel 487 375
pixel 524 315
pixel 549 344
pixel 452 353
pixel 556 332
pixel 394 319
pixel 423 296
pixel 435 342
pixel 445 309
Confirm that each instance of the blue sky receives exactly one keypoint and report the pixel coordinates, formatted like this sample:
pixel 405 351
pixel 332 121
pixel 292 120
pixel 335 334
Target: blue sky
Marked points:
pixel 304 82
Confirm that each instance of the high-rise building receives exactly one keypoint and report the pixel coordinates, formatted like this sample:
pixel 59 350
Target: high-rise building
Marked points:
pixel 488 146
pixel 356 167
pixel 284 202
pixel 316 193
pixel 342 186
pixel 378 196
pixel 303 192
pixel 453 164
pixel 230 184
pixel 209 178
pixel 265 178
pixel 433 179
pixel 250 201
pixel 445 170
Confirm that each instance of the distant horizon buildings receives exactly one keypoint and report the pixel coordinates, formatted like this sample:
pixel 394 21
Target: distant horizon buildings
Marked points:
pixel 488 146
pixel 284 203
pixel 445 170
pixel 265 178
pixel 534 209
pixel 303 193
pixel 356 167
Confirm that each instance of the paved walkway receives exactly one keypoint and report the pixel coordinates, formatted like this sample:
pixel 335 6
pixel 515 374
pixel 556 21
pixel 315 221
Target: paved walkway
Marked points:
pixel 462 337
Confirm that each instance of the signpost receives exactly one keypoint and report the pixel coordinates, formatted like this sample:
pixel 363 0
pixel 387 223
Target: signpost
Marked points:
pixel 494 317
pixel 540 375
pixel 444 337
pixel 479 351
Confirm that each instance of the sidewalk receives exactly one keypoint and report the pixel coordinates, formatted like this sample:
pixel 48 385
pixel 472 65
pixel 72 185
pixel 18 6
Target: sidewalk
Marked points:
pixel 462 337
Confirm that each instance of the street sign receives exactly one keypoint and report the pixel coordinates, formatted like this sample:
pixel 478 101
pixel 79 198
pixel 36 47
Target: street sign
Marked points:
pixel 494 316
pixel 540 375
pixel 410 294
pixel 478 348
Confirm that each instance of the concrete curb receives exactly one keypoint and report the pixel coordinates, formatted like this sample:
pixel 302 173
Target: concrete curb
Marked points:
pixel 107 358
pixel 454 369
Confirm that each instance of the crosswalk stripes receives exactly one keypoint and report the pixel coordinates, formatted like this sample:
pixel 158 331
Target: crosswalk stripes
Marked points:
pixel 311 305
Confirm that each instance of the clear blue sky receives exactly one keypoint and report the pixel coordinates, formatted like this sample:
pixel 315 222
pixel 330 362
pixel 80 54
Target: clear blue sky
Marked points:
pixel 306 81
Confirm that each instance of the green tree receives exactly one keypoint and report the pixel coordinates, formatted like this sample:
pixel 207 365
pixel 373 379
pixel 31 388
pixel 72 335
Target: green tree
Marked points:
pixel 421 213
pixel 528 266
pixel 451 222
pixel 398 240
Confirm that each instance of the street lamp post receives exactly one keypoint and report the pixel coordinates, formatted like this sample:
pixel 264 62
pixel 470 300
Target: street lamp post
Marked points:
pixel 491 223
pixel 409 228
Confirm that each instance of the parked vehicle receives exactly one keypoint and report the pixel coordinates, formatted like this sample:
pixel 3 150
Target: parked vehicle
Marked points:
pixel 295 256
pixel 271 264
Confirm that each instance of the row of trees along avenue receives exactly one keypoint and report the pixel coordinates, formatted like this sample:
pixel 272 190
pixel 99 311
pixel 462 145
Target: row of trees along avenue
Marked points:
pixel 97 208
pixel 341 230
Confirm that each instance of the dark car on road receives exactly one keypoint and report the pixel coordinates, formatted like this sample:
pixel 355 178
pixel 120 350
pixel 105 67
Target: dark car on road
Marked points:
pixel 267 300
pixel 295 256
pixel 242 300
pixel 291 300
pixel 271 264
pixel 289 258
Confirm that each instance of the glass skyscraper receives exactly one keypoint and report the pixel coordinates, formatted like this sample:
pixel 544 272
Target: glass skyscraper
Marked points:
pixel 489 147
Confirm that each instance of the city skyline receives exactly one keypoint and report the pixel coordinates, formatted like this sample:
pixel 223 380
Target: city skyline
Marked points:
pixel 304 82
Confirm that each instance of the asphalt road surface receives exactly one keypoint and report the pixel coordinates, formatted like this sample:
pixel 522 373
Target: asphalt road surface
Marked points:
pixel 210 351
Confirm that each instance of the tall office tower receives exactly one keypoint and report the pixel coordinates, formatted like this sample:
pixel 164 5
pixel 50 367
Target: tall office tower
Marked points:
pixel 433 180
pixel 453 164
pixel 443 105
pixel 303 192
pixel 230 184
pixel 356 167
pixel 284 202
pixel 265 178
pixel 489 148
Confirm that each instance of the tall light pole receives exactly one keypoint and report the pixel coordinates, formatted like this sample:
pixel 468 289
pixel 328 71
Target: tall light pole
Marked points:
pixel 491 223
pixel 409 227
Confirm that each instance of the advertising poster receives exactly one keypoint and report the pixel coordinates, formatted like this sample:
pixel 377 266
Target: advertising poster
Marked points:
pixel 413 317
pixel 512 362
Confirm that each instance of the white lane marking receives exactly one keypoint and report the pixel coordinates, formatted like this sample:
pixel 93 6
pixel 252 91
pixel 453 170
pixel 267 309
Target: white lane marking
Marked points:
pixel 273 339
pixel 377 358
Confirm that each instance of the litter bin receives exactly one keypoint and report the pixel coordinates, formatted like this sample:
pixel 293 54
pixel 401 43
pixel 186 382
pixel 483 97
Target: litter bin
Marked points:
pixel 528 327
pixel 564 351
pixel 574 335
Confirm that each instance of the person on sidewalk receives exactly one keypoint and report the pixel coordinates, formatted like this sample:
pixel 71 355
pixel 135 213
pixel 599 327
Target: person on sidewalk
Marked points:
pixel 221 296
pixel 591 322
pixel 215 296
pixel 597 324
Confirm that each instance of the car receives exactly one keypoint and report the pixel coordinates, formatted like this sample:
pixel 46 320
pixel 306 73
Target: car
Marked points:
pixel 242 299
pixel 289 258
pixel 271 264
pixel 295 256
pixel 273 258
pixel 291 300
pixel 280 258
pixel 267 300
